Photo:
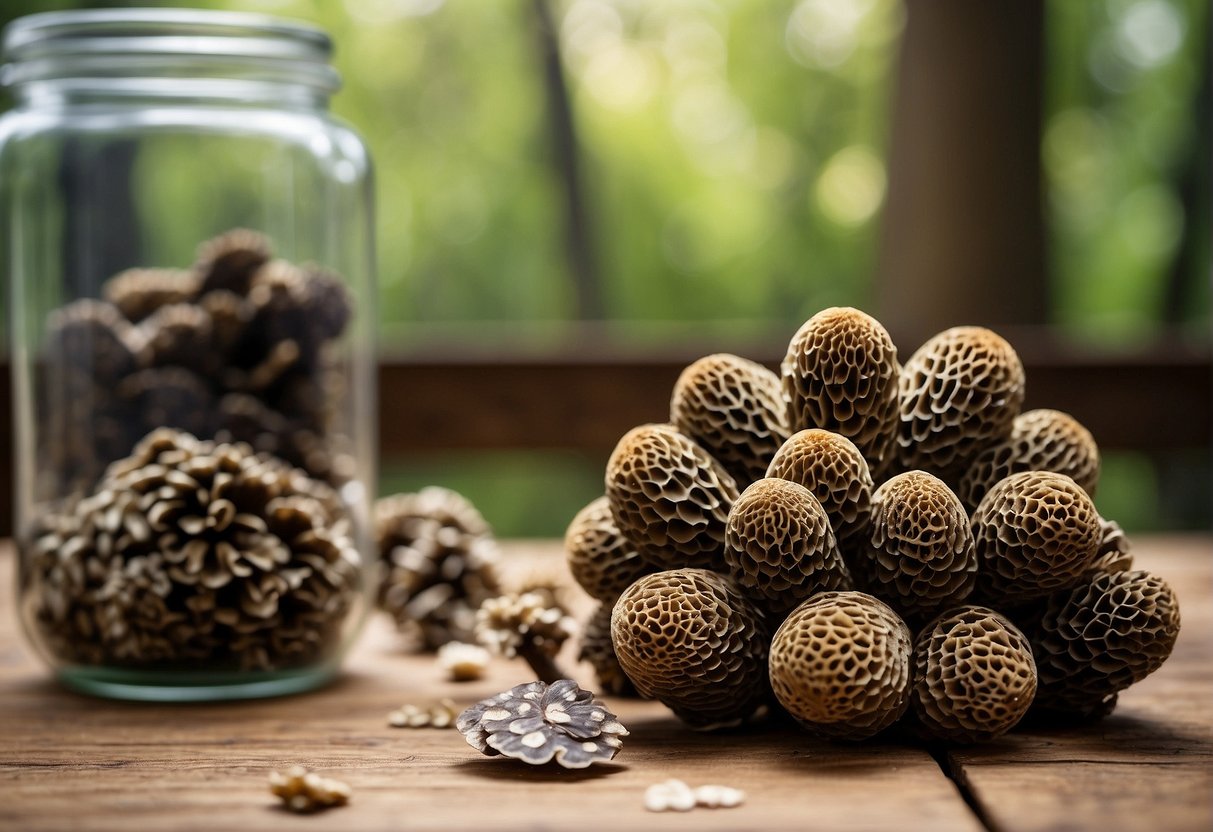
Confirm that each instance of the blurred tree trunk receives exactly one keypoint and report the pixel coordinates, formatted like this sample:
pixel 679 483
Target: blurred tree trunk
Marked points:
pixel 963 237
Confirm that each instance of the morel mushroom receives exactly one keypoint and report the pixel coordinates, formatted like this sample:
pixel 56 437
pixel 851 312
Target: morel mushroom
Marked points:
pixel 779 545
pixel 230 260
pixel 690 639
pixel 179 335
pixel 1040 440
pixel 669 497
pixel 538 722
pixel 958 393
pixel 137 293
pixel 601 559
pixel 734 409
pixel 920 555
pixel 526 625
pixel 1035 533
pixel 1100 637
pixel 974 676
pixel 840 374
pixel 841 665
pixel 1115 552
pixel 89 340
pixel 833 469
pixel 598 651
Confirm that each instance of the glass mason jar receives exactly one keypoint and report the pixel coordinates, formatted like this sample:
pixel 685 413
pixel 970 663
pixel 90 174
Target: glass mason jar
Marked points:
pixel 187 239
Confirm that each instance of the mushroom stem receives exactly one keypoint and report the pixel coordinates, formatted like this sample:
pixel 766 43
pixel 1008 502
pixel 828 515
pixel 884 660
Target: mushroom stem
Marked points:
pixel 545 666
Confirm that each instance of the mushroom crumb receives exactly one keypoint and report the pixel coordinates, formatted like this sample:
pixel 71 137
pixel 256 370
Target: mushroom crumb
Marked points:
pixel 674 795
pixel 304 791
pixel 463 662
pixel 441 715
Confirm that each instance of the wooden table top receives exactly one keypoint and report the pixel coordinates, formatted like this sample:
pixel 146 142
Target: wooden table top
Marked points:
pixel 68 761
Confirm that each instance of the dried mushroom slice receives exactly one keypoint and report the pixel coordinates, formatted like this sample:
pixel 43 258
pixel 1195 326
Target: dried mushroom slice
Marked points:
pixel 598 652
pixel 137 293
pixel 974 676
pixel 1040 440
pixel 669 497
pixel 779 545
pixel 841 665
pixel 690 639
pixel 840 374
pixel 1115 551
pixel 229 261
pixel 1100 637
pixel 958 393
pixel 920 555
pixel 1035 532
pixel 833 469
pixel 733 407
pixel 601 559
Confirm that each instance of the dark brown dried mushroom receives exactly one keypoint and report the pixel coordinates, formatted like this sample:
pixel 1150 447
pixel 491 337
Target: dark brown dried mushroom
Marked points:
pixel 669 497
pixel 90 337
pixel 137 293
pixel 1035 533
pixel 833 469
pixel 919 556
pixel 840 374
pixel 691 639
pixel 733 407
pixel 974 676
pixel 528 626
pixel 170 397
pixel 538 723
pixel 841 665
pixel 1100 637
pixel 601 559
pixel 779 545
pixel 1040 440
pixel 229 261
pixel 179 335
pixel 441 564
pixel 598 651
pixel 959 392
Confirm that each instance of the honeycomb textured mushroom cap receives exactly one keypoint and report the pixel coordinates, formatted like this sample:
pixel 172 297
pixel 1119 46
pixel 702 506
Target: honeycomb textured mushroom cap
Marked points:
pixel 598 651
pixel 833 469
pixel 841 373
pixel 1115 551
pixel 958 393
pixel 1036 533
pixel 603 562
pixel 734 408
pixel 1040 440
pixel 920 555
pixel 690 639
pixel 137 293
pixel 669 497
pixel 841 665
pixel 779 545
pixel 1100 637
pixel 974 676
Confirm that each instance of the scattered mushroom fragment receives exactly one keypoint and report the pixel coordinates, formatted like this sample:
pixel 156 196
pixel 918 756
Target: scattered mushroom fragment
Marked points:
pixel 734 408
pixel 304 791
pixel 601 559
pixel 598 651
pixel 671 795
pixel 441 715
pixel 526 625
pixel 974 676
pixel 463 662
pixel 718 797
pixel 841 665
pixel 833 469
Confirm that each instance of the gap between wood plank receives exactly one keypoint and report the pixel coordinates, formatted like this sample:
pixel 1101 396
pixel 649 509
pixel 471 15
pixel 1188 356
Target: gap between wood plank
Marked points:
pixel 954 773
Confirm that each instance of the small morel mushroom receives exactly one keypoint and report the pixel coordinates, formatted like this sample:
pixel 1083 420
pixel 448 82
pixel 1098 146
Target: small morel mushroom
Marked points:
pixel 441 564
pixel 840 374
pixel 958 393
pixel 527 626
pixel 1115 552
pixel 779 545
pixel 1098 638
pixel 463 662
pixel 89 339
pixel 734 408
pixel 833 469
pixel 841 665
pixel 692 640
pixel 974 676
pixel 230 260
pixel 137 293
pixel 179 335
pixel 304 791
pixel 601 559
pixel 1040 440
pixel 1035 533
pixel 168 397
pixel 442 715
pixel 669 497
pixel 920 556
pixel 538 722
pixel 598 651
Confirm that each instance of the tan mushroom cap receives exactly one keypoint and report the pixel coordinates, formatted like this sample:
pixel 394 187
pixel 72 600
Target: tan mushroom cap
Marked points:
pixel 920 556
pixel 690 639
pixel 601 559
pixel 779 545
pixel 1115 551
pixel 841 665
pixel 833 469
pixel 669 497
pixel 734 408
pixel 1100 637
pixel 958 393
pixel 598 652
pixel 974 676
pixel 841 373
pixel 1040 440
pixel 1035 532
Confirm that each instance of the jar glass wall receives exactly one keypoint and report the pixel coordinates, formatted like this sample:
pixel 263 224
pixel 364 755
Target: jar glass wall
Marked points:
pixel 187 245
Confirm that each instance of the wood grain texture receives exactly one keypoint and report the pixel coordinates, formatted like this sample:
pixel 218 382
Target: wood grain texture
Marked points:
pixel 67 761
